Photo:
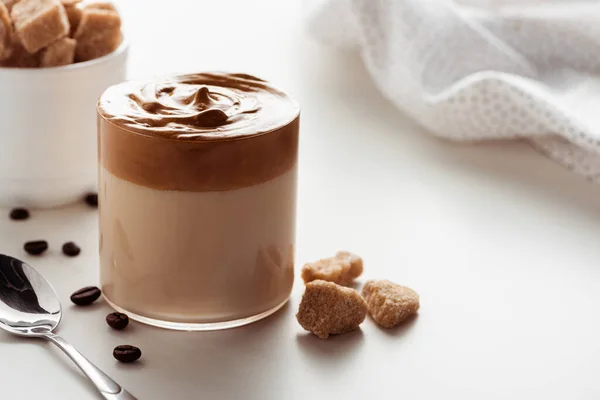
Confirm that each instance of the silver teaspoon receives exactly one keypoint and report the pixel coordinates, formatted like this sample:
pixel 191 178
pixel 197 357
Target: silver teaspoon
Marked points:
pixel 29 307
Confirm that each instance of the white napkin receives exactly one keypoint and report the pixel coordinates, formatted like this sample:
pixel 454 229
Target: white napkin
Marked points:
pixel 487 69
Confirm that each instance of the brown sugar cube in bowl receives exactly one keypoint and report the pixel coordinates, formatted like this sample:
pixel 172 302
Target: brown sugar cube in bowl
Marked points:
pixel 101 5
pixel 61 52
pixel 6 33
pixel 98 34
pixel 390 304
pixel 330 309
pixel 74 14
pixel 341 269
pixel 21 58
pixel 38 23
pixel 9 3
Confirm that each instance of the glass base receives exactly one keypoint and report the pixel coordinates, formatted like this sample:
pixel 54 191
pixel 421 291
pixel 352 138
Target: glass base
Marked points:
pixel 184 326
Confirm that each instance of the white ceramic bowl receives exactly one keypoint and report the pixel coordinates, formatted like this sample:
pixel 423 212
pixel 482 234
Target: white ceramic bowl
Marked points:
pixel 48 145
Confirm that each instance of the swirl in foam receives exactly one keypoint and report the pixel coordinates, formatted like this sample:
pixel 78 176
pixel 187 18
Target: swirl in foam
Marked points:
pixel 205 107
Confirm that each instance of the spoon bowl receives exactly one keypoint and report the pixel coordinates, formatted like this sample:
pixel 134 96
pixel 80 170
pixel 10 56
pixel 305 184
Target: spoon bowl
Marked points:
pixel 29 306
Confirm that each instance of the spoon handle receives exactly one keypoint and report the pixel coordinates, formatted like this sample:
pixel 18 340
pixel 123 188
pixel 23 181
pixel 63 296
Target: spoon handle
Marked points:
pixel 110 389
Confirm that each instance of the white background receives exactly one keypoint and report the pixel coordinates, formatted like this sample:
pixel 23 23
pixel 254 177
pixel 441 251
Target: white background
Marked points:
pixel 501 244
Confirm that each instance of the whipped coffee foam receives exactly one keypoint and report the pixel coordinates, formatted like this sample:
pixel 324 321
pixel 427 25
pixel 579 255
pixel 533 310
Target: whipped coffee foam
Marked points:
pixel 198 132
pixel 209 106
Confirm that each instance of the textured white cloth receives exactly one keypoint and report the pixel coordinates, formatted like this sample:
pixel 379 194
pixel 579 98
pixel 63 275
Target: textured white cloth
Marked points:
pixel 483 69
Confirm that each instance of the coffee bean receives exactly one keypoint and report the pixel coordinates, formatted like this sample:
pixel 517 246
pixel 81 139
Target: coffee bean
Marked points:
pixel 18 214
pixel 36 247
pixel 86 295
pixel 117 320
pixel 92 199
pixel 126 353
pixel 71 249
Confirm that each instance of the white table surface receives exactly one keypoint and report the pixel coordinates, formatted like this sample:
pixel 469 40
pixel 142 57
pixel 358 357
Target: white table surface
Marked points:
pixel 500 243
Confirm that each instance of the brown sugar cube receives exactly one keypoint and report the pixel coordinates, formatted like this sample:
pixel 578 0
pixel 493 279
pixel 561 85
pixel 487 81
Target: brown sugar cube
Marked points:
pixel 70 3
pixel 75 11
pixel 98 34
pixel 341 269
pixel 74 14
pixel 39 22
pixel 21 58
pixel 390 304
pixel 330 309
pixel 102 5
pixel 6 33
pixel 61 52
